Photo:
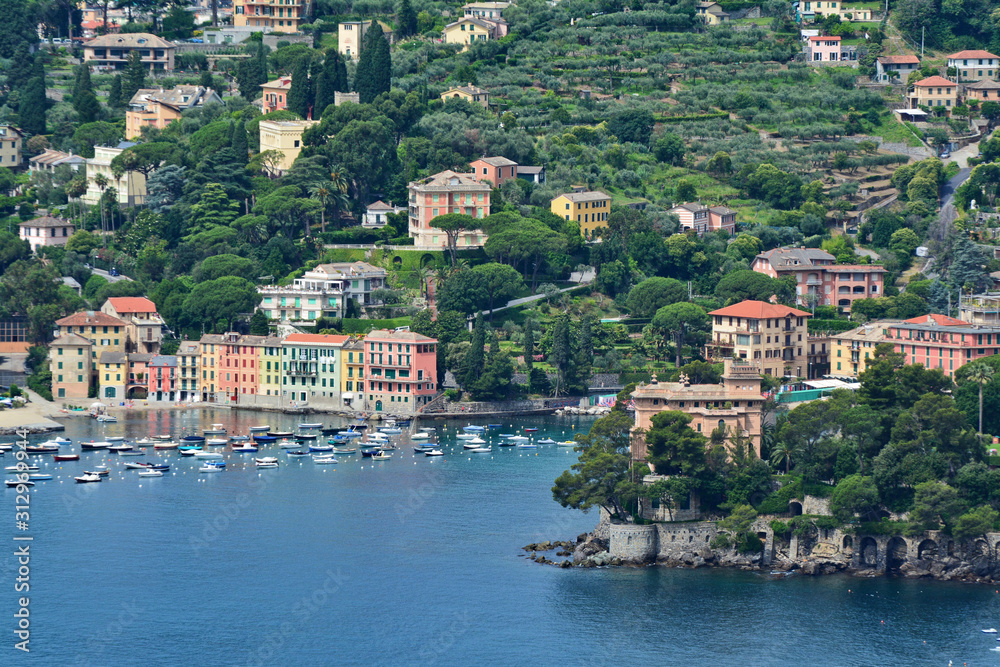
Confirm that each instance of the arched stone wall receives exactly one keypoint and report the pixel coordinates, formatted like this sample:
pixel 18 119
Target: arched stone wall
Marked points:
pixel 632 543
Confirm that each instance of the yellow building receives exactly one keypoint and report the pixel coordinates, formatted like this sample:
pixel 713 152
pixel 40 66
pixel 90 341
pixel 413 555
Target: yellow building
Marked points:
pixel 351 37
pixel 590 209
pixel 211 350
pixel 773 336
pixel 107 333
pixel 269 367
pixel 284 136
pixel 934 91
pixel 71 364
pixel 469 93
pixel 825 8
pixel 466 31
pixel 850 351
pixel 112 372
pixel 711 13
pixel 10 146
pixel 352 375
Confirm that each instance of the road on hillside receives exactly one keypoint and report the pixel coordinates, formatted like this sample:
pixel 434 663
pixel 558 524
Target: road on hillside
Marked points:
pixel 107 276
pixel 948 212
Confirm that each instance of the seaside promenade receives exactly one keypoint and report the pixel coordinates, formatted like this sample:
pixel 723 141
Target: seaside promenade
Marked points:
pixel 38 415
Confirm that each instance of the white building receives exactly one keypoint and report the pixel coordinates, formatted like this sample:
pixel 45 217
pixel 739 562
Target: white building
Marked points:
pixel 322 292
pixel 375 214
pixel 131 186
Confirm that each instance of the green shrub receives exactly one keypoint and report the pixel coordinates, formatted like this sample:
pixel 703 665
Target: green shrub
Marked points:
pixel 452 394
pixel 751 544
pixel 777 502
pixel 882 527
pixel 779 527
pixel 353 326
pixel 721 541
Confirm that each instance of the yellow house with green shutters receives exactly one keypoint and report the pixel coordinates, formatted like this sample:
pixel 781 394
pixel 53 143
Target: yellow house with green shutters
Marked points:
pixel 589 209
pixel 269 367
pixel 352 372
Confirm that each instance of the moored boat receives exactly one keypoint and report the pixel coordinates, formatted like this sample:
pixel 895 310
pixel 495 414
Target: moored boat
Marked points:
pixel 14 482
pixel 546 441
pixel 150 473
pixel 422 449
pixel 162 436
pixel 325 459
pixel 381 456
pixel 95 445
pixel 530 429
pixel 39 477
pixel 245 448
pixel 88 478
pixel 306 436
pixel 21 468
pixel 207 455
pixel 263 438
pixel 310 425
pixel 344 450
pixel 138 465
pixel 466 436
pixel 216 442
pixel 517 438
pixel 434 452
pixel 209 468
pixel 420 435
pixel 482 450
pixel 281 434
pixel 471 445
pixel 289 444
pixel 368 453
pixel 391 430
pixel 472 428
pixel 119 448
pixel 297 452
pixel 320 448
pixel 527 445
pixel 41 449
pixel 166 445
pixel 132 452
pixel 65 457
pixel 266 462
pixel 193 438
pixel 567 443
pixel 214 429
pixel 260 429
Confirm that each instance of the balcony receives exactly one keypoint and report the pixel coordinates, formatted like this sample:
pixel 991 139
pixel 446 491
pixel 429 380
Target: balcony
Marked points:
pixel 301 371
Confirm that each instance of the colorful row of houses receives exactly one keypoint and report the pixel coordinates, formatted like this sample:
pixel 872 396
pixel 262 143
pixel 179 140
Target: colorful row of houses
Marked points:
pixel 115 354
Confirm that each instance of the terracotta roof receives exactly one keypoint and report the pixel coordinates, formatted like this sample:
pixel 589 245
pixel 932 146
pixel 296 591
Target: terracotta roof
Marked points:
pixel 132 304
pixel 855 267
pixel 759 310
pixel 71 339
pixel 46 221
pixel 899 60
pixel 825 38
pixel 935 318
pixel 327 339
pixel 386 335
pixel 934 81
pixel 595 195
pixel 975 53
pixel 130 41
pixel 90 318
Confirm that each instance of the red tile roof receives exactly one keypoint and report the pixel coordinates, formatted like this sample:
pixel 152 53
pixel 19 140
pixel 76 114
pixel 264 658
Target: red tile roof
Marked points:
pixel 90 318
pixel 898 60
pixel 975 53
pixel 329 339
pixel 860 268
pixel 825 38
pixel 934 81
pixel 132 304
pixel 758 310
pixel 935 318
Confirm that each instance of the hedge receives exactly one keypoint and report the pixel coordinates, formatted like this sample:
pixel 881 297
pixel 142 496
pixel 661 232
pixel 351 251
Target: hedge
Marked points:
pixel 691 117
pixel 354 326
pixel 816 326
pixel 636 376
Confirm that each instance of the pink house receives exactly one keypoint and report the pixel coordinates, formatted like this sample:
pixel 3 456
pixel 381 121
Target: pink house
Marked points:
pixel 702 219
pixel 46 231
pixel 400 371
pixel 819 279
pixel 494 170
pixel 274 95
pixel 823 48
pixel 442 193
pixel 942 342
pixel 162 378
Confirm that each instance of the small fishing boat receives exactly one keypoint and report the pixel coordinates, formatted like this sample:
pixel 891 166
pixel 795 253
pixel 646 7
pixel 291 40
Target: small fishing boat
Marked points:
pixel 107 419
pixel 115 438
pixel 321 460
pixel 546 441
pixel 310 425
pixel 193 438
pixel 88 478
pixel 132 452
pixel 266 462
pixel 344 450
pixel 320 448
pixel 280 434
pixel 420 436
pixel 527 445
pixel 40 477
pixel 119 448
pixel 298 452
pixel 207 455
pixel 41 449
pixel 471 445
pixel 566 443
pixel 162 467
pixel 434 452
pixel 216 442
pixel 210 468
pixel 150 473
pixel 391 430
pixel 381 456
pixel 65 457
pixel 507 443
pixel 239 438
pixel 188 452
pixel 306 436
pixel 260 429
pixel 421 449
pixel 214 429
pixel 482 450
pixel 466 436
pixel 517 438
pixel 289 444
pixel 530 429
pixel 472 428
pixel 166 445
pixel 162 436
pixel 21 468
pixel 350 434
pixel 377 435
pixel 476 441
pixel 368 453
pixel 145 442
pixel 138 465
pixel 263 438
pixel 62 441
pixel 94 445
pixel 245 448
pixel 506 435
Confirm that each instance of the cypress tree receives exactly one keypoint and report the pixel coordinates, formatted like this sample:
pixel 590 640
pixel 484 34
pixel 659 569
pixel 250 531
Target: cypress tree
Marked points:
pixel 231 131
pixel 240 143
pixel 261 63
pixel 115 96
pixel 529 347
pixel 299 92
pixel 32 107
pixel 87 106
pixel 76 83
pixel 135 76
pixel 407 19
pixel 475 358
pixel 340 81
pixel 374 74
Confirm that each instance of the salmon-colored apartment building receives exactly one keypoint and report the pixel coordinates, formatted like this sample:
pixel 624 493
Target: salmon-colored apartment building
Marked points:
pixel 400 371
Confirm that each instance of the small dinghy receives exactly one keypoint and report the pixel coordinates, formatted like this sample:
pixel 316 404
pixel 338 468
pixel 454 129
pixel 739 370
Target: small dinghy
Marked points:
pixel 260 429
pixel 531 429
pixel 391 430
pixel 422 435
pixel 517 438
pixel 280 434
pixel 119 448
pixel 266 462
pixel 482 450
pixel 310 425
pixel 419 449
pixel 471 445
pixel 21 468
pixel 150 473
pixel 215 429
pixel 506 435
pixel 306 436
pixel 320 448
pixel 138 466
pixel 189 452
pixel 477 441
pixel 41 449
pixel 215 442
pixel 350 434
pixel 527 445
pixel 115 438
pixel 88 478
pixel 162 467
pixel 344 450
pixel 434 452
pixel 207 455
pixel 264 438
pixel 324 460
pixel 297 453
pixel 245 448
pixel 65 457
pixel 382 456
pixel 288 444
pixel 13 482
pixel 162 436
pixel 132 452
pixel 166 445
pixel 98 470
pixel 471 428
pixel 95 445
pixel 193 438
pixel 211 468
pixel 239 438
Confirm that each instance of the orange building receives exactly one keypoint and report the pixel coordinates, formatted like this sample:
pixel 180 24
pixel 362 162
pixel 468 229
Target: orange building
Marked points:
pixel 275 94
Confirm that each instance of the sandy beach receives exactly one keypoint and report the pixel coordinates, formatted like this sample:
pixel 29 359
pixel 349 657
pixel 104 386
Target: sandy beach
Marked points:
pixel 37 416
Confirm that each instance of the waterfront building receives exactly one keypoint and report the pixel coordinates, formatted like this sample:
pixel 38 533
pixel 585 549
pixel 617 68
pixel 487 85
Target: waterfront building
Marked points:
pixel 107 333
pixel 45 231
pixel 211 349
pixel 112 376
pixel 735 404
pixel 942 342
pixel 71 363
pixel 188 356
pixel 269 368
pixel 138 374
pixel 144 332
pixel 818 279
pixel 773 336
pixel 11 140
pixel 111 52
pixel 400 371
pixel 590 209
pixel 310 365
pixel 162 382
pixel 852 351
pixel 352 372
pixel 442 193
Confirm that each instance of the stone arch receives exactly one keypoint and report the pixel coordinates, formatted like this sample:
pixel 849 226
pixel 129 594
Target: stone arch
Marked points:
pixel 895 553
pixel 927 549
pixel 762 535
pixel 795 508
pixel 706 538
pixel 397 262
pixel 869 552
pixel 977 549
pixel 426 260
pixel 847 542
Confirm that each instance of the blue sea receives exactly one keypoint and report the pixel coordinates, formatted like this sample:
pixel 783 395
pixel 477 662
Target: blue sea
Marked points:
pixel 412 561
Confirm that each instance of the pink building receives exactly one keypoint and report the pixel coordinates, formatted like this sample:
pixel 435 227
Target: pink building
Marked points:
pixel 400 371
pixel 818 279
pixel 274 95
pixel 703 219
pixel 942 342
pixel 823 48
pixel 161 372
pixel 46 231
pixel 238 371
pixel 447 192
pixel 138 372
pixel 494 170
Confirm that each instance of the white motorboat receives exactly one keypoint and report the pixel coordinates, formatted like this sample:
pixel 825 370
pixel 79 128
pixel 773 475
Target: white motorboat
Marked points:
pixel 527 445
pixel 138 466
pixel 260 429
pixel 472 428
pixel 381 456
pixel 428 429
pixel 208 468
pixel 321 460
pixel 131 452
pixel 288 444
pixel 434 452
pixel 87 478
pixel 207 455
pixel 62 441
pixel 266 462
pixel 13 482
pixel 482 450
pixel 40 477
pixel 567 443
pixel 518 438
pixel 216 442
pixel 215 429
pixel 107 419
pixel 344 450
pixel 245 448
pixel 391 430
pixel 477 441
pixel 166 445
pixel 145 442
pixel 546 441
pixel 311 425
pixel 420 435
pixel 20 468
pixel 115 438
pixel 990 631
pixel 378 436
pixel 150 473
pixel 466 436
pixel 471 445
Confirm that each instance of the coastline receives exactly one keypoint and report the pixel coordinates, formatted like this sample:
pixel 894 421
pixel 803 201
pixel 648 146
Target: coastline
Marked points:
pixel 36 416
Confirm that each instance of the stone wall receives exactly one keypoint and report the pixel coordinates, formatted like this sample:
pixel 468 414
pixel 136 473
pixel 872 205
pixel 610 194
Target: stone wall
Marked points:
pixel 676 539
pixel 816 505
pixel 633 543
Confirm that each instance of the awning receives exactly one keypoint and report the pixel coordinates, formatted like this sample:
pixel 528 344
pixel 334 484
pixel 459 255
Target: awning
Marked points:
pixel 348 396
pixel 912 112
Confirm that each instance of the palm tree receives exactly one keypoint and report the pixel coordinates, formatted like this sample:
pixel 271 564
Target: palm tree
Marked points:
pixel 338 190
pixel 102 182
pixel 981 373
pixel 783 450
pixel 322 193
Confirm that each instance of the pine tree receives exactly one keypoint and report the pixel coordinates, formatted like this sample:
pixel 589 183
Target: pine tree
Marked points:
pixel 240 143
pixel 374 73
pixel 529 346
pixel 299 92
pixel 135 75
pixel 407 19
pixel 475 358
pixel 115 96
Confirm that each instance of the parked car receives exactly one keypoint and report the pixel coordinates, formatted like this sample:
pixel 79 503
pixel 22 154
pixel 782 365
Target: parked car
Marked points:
pixel 945 155
pixel 114 272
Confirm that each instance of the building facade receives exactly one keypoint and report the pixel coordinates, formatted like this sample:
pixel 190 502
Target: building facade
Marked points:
pixel 311 366
pixel 112 374
pixel 45 231
pixel 71 363
pixel 274 94
pixel 704 219
pixel 162 379
pixel 158 108
pixel 111 52
pixel 736 405
pixel 276 16
pixel 351 37
pixel 322 291
pixel 468 31
pixel 494 170
pixel 819 281
pixel 400 371
pixel 934 91
pixel 942 342
pixel 590 209
pixel 442 193
pixel 144 332
pixel 471 94
pixel 11 144
pixel 974 65
pixel 711 13
pixel 376 215
pixel 51 159
pixel 772 336
pixel 284 136
pixel 130 186
pixel 852 351
pixel 188 356
pixel 352 373
pixel 888 68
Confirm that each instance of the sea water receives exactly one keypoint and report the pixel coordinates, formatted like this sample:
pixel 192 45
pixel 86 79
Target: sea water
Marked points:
pixel 415 560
